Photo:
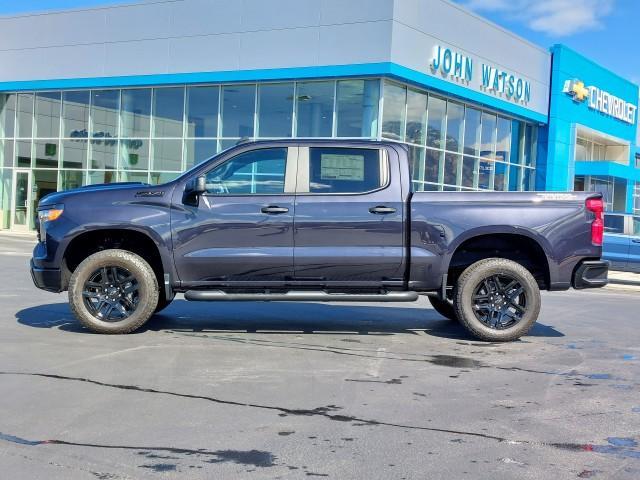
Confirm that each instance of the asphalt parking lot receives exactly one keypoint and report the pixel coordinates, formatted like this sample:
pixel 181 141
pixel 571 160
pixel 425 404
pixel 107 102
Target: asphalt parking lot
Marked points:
pixel 255 390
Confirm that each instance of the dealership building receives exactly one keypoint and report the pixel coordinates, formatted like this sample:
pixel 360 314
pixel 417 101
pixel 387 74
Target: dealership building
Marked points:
pixel 142 91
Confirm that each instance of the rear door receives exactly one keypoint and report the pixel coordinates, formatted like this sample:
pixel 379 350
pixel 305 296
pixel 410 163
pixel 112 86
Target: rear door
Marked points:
pixel 349 221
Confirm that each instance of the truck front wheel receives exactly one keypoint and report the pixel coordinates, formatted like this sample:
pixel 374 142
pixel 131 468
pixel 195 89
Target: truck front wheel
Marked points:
pixel 497 300
pixel 113 291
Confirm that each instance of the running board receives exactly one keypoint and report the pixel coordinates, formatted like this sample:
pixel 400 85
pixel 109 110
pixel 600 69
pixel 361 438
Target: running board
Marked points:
pixel 219 295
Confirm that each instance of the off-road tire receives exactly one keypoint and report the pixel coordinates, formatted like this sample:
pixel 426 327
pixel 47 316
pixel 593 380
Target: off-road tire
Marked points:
pixel 469 281
pixel 148 291
pixel 444 308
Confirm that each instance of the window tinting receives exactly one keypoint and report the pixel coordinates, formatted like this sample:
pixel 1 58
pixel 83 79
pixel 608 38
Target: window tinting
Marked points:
pixel 344 170
pixel 314 116
pixel 168 112
pixel 258 172
pixel 436 122
pixel 48 107
pixel 105 105
pixel 25 114
pixel 7 114
pixel 416 117
pixel 455 126
pixel 614 224
pixel 357 108
pixel 75 114
pixel 393 117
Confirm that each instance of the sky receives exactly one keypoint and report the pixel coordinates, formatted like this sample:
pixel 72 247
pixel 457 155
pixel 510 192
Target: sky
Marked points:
pixel 603 30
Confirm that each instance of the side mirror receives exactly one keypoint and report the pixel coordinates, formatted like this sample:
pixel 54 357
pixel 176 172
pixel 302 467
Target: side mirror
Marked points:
pixel 200 185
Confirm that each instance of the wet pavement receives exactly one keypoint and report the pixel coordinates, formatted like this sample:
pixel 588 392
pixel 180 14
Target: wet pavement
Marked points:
pixel 255 391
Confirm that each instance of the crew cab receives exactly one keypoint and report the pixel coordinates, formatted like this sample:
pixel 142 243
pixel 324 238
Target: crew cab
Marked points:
pixel 315 221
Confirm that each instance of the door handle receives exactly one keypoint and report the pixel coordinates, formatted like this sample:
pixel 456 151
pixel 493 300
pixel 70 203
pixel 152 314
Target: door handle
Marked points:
pixel 635 240
pixel 382 210
pixel 274 210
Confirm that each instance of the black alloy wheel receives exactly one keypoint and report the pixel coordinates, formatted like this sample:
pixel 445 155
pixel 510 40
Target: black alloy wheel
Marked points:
pixel 499 301
pixel 111 293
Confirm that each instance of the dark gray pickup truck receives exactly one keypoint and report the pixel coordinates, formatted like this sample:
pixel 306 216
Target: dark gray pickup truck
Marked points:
pixel 315 221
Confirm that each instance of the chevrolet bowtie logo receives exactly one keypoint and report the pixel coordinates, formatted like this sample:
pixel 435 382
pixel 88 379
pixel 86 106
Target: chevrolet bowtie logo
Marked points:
pixel 576 89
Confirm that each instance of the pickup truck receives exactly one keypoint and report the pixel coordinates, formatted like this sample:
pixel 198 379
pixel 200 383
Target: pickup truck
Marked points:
pixel 315 221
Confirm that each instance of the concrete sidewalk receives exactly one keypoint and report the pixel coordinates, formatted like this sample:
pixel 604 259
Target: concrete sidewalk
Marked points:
pixel 624 280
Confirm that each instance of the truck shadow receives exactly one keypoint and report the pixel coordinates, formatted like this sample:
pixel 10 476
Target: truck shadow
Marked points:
pixel 265 318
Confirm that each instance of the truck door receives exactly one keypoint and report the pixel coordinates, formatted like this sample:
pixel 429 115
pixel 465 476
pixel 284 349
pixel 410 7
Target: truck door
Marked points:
pixel 349 221
pixel 241 231
pixel 634 247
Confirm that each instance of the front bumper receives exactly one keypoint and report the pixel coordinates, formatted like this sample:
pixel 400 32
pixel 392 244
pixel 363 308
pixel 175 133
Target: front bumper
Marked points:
pixel 49 279
pixel 591 274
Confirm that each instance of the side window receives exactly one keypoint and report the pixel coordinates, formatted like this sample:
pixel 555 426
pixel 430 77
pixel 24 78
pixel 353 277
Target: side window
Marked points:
pixel 258 172
pixel 345 170
pixel 614 224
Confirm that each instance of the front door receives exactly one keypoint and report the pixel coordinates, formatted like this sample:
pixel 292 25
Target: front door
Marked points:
pixel 241 231
pixel 349 227
pixel 21 204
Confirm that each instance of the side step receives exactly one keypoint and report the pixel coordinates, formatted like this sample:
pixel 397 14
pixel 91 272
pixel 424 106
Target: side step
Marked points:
pixel 220 296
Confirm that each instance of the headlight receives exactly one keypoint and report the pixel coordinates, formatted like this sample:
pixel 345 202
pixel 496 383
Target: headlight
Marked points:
pixel 50 214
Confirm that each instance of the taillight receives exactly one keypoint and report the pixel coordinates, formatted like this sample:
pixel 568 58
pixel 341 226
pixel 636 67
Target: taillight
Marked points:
pixel 596 205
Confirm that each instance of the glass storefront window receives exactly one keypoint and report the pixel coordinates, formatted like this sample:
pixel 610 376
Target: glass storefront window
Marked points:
pixel 167 155
pixel 23 153
pixel 75 114
pixel 105 108
pixel 71 179
pixel 199 150
pixel 238 107
pixel 451 163
pixel 357 108
pixel 97 177
pixel 134 154
pixel 136 113
pixel 156 178
pixel 103 153
pixel 314 114
pixel 6 150
pixel 25 115
pixel 48 108
pixel 45 153
pixel 636 198
pixel 488 135
pixel 275 110
pixel 416 117
pixel 394 111
pixel 128 176
pixel 500 176
pixel 455 127
pixel 472 131
pixel 74 153
pixel 432 166
pixel 469 168
pixel 436 122
pixel 168 112
pixel 503 140
pixel 202 111
pixel 7 114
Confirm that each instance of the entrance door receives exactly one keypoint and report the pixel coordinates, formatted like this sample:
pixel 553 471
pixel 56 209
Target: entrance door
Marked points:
pixel 21 207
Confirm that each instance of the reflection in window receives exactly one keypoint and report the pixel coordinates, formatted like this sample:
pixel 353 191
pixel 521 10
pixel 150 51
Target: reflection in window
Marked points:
pixel 469 168
pixel 436 122
pixel 74 153
pixel 258 172
pixel 134 154
pixel 46 153
pixel 97 177
pixel 48 108
pixel 71 179
pixel 75 114
pixel 394 108
pixel 357 108
pixel 199 150
pixel 105 105
pixel 432 165
pixel 202 111
pixel 503 141
pixel 488 135
pixel 416 162
pixel 485 169
pixel 238 105
pixel 136 111
pixel 499 181
pixel 156 178
pixel 6 152
pixel 275 110
pixel 7 114
pixel 472 131
pixel 514 178
pixel 451 162
pixel 133 176
pixel 416 117
pixel 344 170
pixel 167 155
pixel 455 126
pixel 23 154
pixel 104 154
pixel 314 116
pixel 25 115
pixel 168 112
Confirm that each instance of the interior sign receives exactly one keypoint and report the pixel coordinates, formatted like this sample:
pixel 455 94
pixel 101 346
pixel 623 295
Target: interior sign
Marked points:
pixel 459 67
pixel 601 101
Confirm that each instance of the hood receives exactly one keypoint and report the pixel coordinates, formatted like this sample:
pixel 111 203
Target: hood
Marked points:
pixel 59 197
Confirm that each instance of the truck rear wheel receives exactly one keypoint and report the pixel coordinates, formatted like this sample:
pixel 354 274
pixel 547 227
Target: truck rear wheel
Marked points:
pixel 113 291
pixel 497 300
pixel 444 308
